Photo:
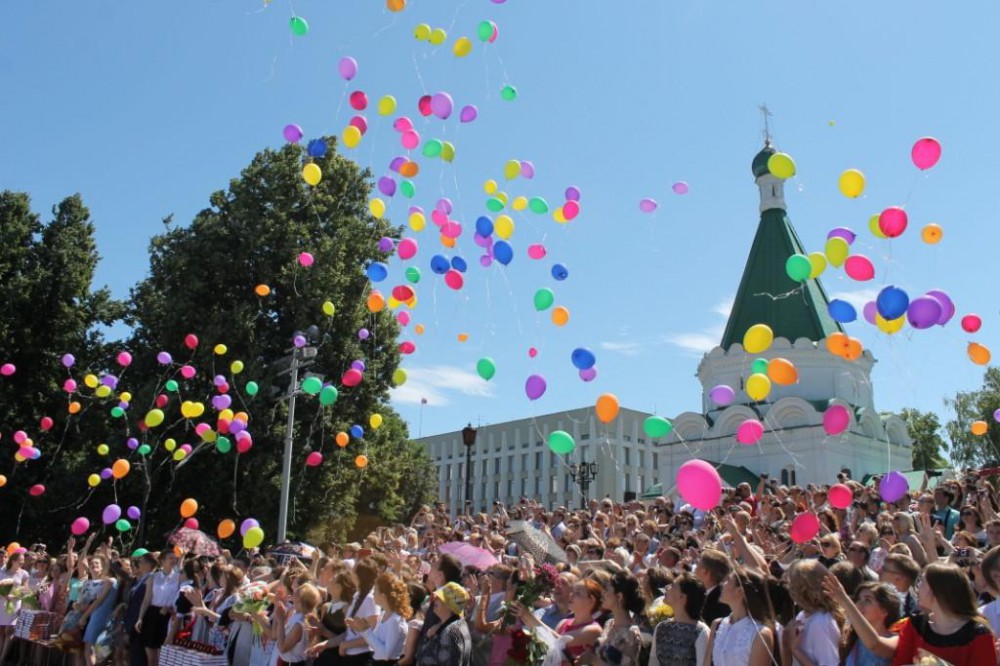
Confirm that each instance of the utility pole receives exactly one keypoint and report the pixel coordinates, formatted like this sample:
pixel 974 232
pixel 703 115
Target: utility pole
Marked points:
pixel 298 355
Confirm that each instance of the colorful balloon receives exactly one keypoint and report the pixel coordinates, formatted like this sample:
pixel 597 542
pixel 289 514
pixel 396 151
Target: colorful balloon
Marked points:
pixel 893 221
pixel 561 442
pixel 758 339
pixel 804 527
pixel 781 166
pixel 534 387
pixel 750 432
pixel 893 486
pixel 836 418
pixel 852 183
pixel 722 395
pixel 925 153
pixel 699 484
pixel 840 496
pixel 859 267
pixel 607 407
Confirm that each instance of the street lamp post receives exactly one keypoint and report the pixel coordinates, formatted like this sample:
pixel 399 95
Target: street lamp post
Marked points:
pixel 299 360
pixel 582 474
pixel 469 439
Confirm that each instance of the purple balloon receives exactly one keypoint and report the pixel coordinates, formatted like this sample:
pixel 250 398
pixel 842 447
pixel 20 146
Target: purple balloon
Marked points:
pixel 68 360
pixel 442 105
pixel 870 310
pixel 924 312
pixel 164 358
pixel 535 387
pixel 358 365
pixel 110 381
pixel 722 395
pixel 842 232
pixel 893 486
pixel 647 205
pixel 485 261
pixel 106 473
pixel 589 375
pixel 134 512
pixel 221 402
pixel 468 113
pixel 348 68
pixel 947 307
pixel 481 241
pixel 444 205
pixel 415 209
pixel 996 415
pixel 527 169
pixel 363 334
pixel 386 244
pixel 572 193
pixel 219 380
pixel 247 525
pixel 292 133
pixel 111 513
pixel 680 187
pixel 387 186
pixel 236 427
pixel 397 163
pixel 299 341
pixel 132 443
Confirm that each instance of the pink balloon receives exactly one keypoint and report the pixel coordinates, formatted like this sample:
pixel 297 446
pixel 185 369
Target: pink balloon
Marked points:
pixel 870 310
pixel 647 205
pixel 527 169
pixel 537 251
pixel 532 352
pixel 348 68
pixel 468 113
pixel 971 323
pixel 750 432
pixel 454 279
pixel 451 229
pixel 926 153
pixel 361 123
pixel 402 124
pixel 410 139
pixel 859 267
pixel 36 490
pixel 680 187
pixel 840 496
pixel 571 209
pixel 403 317
pixel 124 359
pixel 187 371
pixel 352 377
pixel 314 459
pixel 306 259
pixel 79 526
pixel 407 347
pixel 892 221
pixel 191 523
pixel 836 419
pixel 439 217
pixel 7 369
pixel 407 248
pixel 699 484
pixel 804 528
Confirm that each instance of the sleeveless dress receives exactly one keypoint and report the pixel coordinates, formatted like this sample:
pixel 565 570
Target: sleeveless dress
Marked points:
pixel 733 642
pixel 675 643
pixel 98 621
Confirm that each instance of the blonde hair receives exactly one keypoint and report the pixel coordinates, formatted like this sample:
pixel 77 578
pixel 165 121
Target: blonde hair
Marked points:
pixel 805 585
pixel 309 597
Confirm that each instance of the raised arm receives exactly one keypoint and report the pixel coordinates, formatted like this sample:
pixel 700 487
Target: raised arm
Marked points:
pixel 882 646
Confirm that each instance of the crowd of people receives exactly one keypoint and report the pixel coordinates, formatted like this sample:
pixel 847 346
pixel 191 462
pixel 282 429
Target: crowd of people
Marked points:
pixel 915 581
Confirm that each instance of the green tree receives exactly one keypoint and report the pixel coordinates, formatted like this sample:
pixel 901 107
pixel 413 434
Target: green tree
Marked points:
pixel 924 429
pixel 967 449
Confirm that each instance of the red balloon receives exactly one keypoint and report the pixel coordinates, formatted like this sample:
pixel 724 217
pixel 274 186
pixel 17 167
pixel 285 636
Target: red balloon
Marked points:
pixel 36 490
pixel 407 347
pixel 162 400
pixel 46 423
pixel 190 340
pixel 191 523
pixel 971 323
pixel 424 105
pixel 359 100
pixel 840 496
pixel 352 377
pixel 804 527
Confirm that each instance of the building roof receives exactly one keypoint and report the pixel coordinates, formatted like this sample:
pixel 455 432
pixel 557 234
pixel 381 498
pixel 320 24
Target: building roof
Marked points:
pixel 759 165
pixel 768 296
pixel 734 475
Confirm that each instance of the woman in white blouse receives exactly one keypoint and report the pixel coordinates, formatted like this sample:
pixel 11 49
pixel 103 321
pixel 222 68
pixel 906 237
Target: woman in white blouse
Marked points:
pixel 387 637
pixel 158 606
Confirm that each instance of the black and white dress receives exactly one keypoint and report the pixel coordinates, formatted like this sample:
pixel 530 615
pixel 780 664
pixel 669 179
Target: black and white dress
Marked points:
pixel 679 644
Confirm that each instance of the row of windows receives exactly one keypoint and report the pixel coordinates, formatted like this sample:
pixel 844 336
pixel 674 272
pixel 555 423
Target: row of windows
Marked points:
pixel 525 485
pixel 454 447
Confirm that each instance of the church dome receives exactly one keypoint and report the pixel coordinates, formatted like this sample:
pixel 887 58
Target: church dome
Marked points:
pixel 759 165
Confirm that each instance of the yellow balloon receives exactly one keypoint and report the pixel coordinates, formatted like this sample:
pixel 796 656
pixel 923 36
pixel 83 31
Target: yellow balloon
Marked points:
pixel 180 454
pixel 103 449
pixel 447 151
pixel 94 480
pixel 386 105
pixel 438 36
pixel 852 183
pixel 818 262
pixel 889 326
pixel 125 396
pixel 375 421
pixel 463 47
pixel 351 136
pixel 377 208
pixel 90 381
pixel 236 367
pixel 328 308
pixel 417 221
pixel 226 414
pixel 253 538
pixel 398 376
pixel 170 444
pixel 422 32
pixel 18 457
pixel 781 166
pixel 103 391
pixel 392 302
pixel 758 386
pixel 154 417
pixel 836 251
pixel 874 228
pixel 512 169
pixel 758 338
pixel 504 226
pixel 502 196
pixel 220 349
pixel 520 203
pixel 209 436
pixel 559 216
pixel 312 174
pixel 490 187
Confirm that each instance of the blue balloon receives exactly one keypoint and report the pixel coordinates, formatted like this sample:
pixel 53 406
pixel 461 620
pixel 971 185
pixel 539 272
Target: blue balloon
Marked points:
pixel 440 264
pixel 583 358
pixel 377 271
pixel 892 302
pixel 459 264
pixel 317 148
pixel 560 272
pixel 503 252
pixel 842 311
pixel 357 432
pixel 484 226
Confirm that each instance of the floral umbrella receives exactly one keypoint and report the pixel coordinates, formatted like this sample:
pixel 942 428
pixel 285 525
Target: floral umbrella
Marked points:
pixel 540 544
pixel 194 541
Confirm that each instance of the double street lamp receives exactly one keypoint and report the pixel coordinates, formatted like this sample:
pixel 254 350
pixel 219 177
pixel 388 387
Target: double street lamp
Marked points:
pixel 469 439
pixel 582 474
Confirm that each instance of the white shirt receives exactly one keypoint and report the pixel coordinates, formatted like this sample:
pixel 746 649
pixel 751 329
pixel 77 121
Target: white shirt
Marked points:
pixel 366 609
pixel 298 652
pixel 991 612
pixel 165 589
pixel 387 638
pixel 820 638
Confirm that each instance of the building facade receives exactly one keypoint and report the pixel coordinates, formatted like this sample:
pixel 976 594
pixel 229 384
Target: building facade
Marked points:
pixel 512 460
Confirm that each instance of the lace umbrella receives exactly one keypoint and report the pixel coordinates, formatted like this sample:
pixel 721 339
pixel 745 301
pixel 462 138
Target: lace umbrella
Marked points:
pixel 540 544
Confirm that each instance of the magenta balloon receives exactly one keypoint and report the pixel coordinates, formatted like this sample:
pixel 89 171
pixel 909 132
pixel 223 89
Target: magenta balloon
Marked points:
pixel 348 68
pixel 842 232
pixel 451 229
pixel 410 139
pixel 840 496
pixel 570 210
pixel 892 221
pixel 870 310
pixel 859 267
pixel 836 419
pixel 359 100
pixel 750 432
pixel 387 186
pixel 924 312
pixel 442 105
pixel 722 395
pixel 893 486
pixel 804 527
pixel 481 241
pixel 79 526
pixel 292 133
pixel 699 484
pixel 247 525
pixel 360 122
pixel 537 251
pixel 468 113
pixel 947 306
pixel 926 153
pixel 535 387
pixel 589 375
pixel 680 187
pixel 572 193
pixel 485 261
pixel 527 169
pixel 407 248
pixel 111 513
pixel 402 124
pixel 647 205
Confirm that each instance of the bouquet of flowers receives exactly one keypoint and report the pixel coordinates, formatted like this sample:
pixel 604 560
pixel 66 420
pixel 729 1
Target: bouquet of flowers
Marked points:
pixel 526 648
pixel 27 598
pixel 531 589
pixel 659 613
pixel 251 600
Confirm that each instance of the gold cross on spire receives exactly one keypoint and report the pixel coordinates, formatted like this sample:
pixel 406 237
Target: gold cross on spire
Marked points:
pixel 766 115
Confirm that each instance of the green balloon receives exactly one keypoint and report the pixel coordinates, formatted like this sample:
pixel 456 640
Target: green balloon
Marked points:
pixel 484 31
pixel 252 388
pixel 509 93
pixel 123 525
pixel 223 445
pixel 117 412
pixel 544 298
pixel 759 365
pixel 798 267
pixel 538 205
pixel 299 26
pixel 433 148
pixel 312 385
pixel 486 368
pixel 328 395
pixel 494 205
pixel 561 442
pixel 144 450
pixel 139 552
pixel 413 275
pixel 407 189
pixel 171 386
pixel 657 426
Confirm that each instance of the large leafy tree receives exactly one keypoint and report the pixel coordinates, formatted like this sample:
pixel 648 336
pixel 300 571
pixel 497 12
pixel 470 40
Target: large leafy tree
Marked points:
pixel 968 449
pixel 928 446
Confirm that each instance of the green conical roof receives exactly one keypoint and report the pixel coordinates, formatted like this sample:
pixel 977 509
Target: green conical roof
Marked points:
pixel 766 293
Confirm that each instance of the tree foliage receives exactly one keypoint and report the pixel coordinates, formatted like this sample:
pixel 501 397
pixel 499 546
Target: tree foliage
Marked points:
pixel 969 450
pixel 929 447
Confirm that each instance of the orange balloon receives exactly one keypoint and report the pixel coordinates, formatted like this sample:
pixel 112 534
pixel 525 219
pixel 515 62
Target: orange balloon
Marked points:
pixel 12 547
pixel 120 469
pixel 447 242
pixel 419 328
pixel 226 529
pixel 979 354
pixel 376 301
pixel 361 461
pixel 560 315
pixel 74 407
pixel 409 169
pixel 342 439
pixel 178 553
pixel 395 5
pixel 607 407
pixel 781 371
pixel 854 349
pixel 3 480
pixel 189 507
pixel 262 290
pixel 462 337
pixel 836 343
pixel 242 416
pixel 979 427
pixel 932 233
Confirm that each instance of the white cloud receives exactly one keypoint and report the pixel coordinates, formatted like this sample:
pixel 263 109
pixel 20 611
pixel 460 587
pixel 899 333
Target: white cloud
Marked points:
pixel 623 348
pixel 434 383
pixel 856 298
pixel 706 339
pixel 724 307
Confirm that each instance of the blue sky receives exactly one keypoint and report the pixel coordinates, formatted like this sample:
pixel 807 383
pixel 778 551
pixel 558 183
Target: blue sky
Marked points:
pixel 146 108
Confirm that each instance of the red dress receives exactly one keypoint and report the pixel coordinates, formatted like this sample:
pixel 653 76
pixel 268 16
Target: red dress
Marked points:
pixel 972 645
pixel 567 627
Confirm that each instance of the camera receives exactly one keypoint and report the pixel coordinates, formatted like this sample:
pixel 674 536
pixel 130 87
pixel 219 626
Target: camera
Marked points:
pixel 764 475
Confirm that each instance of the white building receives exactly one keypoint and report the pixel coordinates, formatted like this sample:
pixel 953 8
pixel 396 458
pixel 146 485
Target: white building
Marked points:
pixel 795 447
pixel 512 460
